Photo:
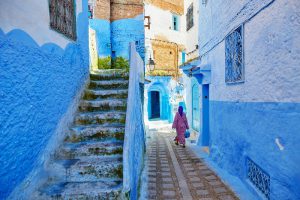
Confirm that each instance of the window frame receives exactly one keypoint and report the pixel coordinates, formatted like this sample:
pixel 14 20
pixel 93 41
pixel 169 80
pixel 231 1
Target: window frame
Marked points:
pixel 190 17
pixel 59 20
pixel 174 16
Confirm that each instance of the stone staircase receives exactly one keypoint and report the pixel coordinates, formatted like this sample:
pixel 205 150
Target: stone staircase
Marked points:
pixel 88 165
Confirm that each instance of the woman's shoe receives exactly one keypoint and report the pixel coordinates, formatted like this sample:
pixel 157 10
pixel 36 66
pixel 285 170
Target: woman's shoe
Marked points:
pixel 176 142
pixel 183 146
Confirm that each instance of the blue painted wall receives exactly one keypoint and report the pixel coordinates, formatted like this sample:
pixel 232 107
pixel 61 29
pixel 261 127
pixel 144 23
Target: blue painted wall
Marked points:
pixel 247 118
pixel 160 84
pixel 117 35
pixel 37 85
pixel 240 130
pixel 124 31
pixel 102 29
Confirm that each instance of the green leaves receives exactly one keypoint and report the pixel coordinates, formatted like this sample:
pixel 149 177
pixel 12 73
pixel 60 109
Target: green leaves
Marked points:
pixel 115 63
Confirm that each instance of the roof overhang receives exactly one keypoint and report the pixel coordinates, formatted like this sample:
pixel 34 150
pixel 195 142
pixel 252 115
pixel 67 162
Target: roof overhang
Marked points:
pixel 202 73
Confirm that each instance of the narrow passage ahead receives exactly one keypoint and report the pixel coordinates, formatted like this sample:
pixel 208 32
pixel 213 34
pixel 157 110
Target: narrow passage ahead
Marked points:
pixel 174 172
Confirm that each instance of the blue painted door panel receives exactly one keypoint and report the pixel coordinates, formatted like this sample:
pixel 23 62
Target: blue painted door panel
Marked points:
pixel 205 115
pixel 195 108
pixel 155 105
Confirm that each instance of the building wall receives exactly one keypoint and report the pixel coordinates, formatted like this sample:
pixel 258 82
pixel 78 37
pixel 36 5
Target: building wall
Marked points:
pixel 117 23
pixel 93 49
pixel 188 83
pixel 41 72
pixel 102 9
pixel 162 34
pixel 121 9
pixel 103 35
pixel 165 55
pixel 255 119
pixel 124 31
pixel 175 6
pixel 163 85
pixel 192 34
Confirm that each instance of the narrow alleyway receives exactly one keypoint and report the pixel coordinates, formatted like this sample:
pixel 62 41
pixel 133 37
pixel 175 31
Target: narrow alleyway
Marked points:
pixel 174 172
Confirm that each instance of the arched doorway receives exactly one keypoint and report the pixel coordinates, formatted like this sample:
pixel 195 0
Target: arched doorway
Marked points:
pixel 158 102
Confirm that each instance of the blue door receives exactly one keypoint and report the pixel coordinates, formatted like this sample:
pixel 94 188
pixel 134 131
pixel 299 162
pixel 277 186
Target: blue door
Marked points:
pixel 205 115
pixel 195 108
pixel 155 105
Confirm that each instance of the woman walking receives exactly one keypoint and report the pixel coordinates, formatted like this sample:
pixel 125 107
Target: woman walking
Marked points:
pixel 180 124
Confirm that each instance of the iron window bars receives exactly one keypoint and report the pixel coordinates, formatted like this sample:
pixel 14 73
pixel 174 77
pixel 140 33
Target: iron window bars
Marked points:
pixel 63 17
pixel 258 177
pixel 234 56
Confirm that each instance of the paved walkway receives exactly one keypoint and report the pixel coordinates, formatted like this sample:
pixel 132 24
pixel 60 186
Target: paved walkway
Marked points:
pixel 175 172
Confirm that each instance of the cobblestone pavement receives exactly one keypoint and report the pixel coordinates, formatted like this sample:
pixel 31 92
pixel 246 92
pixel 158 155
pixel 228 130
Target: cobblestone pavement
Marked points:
pixel 175 172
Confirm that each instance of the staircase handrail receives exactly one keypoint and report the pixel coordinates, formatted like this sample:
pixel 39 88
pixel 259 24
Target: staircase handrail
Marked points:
pixel 134 139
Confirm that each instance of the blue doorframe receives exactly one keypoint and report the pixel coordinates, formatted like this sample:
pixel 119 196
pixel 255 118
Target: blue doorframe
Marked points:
pixel 164 104
pixel 205 115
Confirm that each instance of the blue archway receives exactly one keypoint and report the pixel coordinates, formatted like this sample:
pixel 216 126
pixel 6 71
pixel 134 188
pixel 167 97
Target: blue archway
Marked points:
pixel 161 94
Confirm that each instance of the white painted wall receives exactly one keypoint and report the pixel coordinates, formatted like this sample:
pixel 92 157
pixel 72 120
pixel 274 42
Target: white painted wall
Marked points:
pixel 32 17
pixel 192 33
pixel 161 25
pixel 271 48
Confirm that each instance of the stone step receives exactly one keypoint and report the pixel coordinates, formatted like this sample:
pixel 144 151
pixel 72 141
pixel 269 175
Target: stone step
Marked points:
pixel 90 148
pixel 91 168
pixel 103 105
pixel 104 94
pixel 109 84
pixel 109 75
pixel 102 189
pixel 100 118
pixel 86 168
pixel 96 132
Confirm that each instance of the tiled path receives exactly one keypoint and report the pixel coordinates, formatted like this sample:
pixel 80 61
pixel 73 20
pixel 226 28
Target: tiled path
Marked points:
pixel 176 173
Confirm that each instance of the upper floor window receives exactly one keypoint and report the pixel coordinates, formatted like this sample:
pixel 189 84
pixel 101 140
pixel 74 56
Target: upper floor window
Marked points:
pixel 190 17
pixel 63 17
pixel 175 21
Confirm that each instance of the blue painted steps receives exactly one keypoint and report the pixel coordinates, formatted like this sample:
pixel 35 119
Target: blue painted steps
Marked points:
pixel 88 165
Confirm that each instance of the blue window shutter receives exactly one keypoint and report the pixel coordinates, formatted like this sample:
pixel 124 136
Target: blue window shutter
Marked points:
pixel 183 56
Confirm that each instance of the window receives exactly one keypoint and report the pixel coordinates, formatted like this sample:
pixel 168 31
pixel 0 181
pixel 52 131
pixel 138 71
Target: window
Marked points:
pixel 190 17
pixel 90 8
pixel 175 22
pixel 183 56
pixel 62 17
pixel 234 56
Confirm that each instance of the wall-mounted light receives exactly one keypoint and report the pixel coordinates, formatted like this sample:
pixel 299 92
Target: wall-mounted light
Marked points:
pixel 151 64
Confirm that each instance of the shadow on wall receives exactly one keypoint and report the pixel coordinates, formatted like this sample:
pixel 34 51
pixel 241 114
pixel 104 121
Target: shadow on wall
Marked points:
pixel 37 85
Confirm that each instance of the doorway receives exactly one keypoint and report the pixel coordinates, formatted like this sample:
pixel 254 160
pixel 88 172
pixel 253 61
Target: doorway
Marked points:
pixel 195 108
pixel 155 105
pixel 205 115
